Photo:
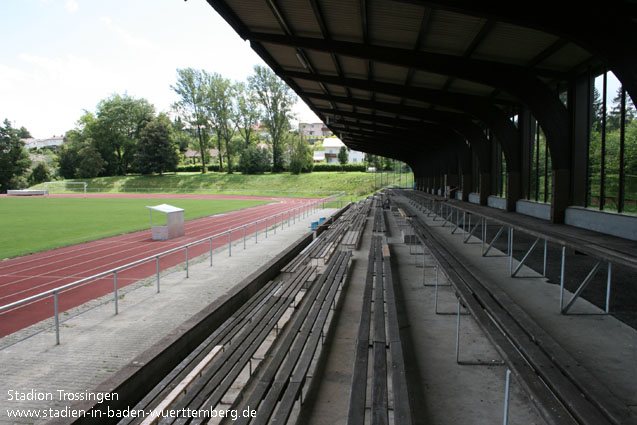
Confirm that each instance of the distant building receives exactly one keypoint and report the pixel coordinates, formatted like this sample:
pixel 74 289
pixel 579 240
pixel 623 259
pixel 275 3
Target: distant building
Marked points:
pixel 51 142
pixel 332 145
pixel 318 156
pixel 194 156
pixel 262 132
pixel 314 131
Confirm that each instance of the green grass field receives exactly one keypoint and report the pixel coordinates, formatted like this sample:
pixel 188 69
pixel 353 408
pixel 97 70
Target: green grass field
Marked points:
pixel 317 184
pixel 30 225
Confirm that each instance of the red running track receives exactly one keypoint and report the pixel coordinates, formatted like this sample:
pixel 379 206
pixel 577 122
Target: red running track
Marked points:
pixel 29 275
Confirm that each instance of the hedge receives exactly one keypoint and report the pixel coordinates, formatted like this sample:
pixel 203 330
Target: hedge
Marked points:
pixel 338 167
pixel 195 168
pixel 317 167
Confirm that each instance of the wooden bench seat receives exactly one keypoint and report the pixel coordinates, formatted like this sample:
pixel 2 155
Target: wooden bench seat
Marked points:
pixel 379 308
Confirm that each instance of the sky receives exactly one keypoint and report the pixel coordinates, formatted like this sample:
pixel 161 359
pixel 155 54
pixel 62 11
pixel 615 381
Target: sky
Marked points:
pixel 61 57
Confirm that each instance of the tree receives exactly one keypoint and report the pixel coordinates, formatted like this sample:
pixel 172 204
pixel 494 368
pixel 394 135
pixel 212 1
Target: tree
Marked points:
pixel 116 129
pixel 277 100
pixel 613 121
pixel 68 157
pixel 14 159
pixel 183 138
pixel 23 133
pixel 255 160
pixel 222 112
pixel 39 174
pixel 248 112
pixel 598 110
pixel 156 151
pixel 89 162
pixel 343 156
pixel 300 155
pixel 191 88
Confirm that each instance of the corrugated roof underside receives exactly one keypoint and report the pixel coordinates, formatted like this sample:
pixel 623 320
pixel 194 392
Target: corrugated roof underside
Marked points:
pixel 392 26
pixel 512 44
pixel 450 32
pixel 343 19
pixel 257 16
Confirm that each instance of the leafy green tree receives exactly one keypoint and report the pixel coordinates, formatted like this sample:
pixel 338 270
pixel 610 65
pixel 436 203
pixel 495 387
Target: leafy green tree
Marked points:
pixel 39 174
pixel 68 159
pixel 23 133
pixel 255 160
pixel 89 162
pixel 14 159
pixel 222 112
pixel 156 151
pixel 343 156
pixel 248 112
pixel 388 164
pixel 300 155
pixel 192 90
pixel 116 129
pixel 183 138
pixel 277 100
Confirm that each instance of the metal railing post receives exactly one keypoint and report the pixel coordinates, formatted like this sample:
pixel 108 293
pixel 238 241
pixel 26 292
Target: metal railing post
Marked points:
pixel 608 282
pixel 115 291
pixel 229 243
pixel 211 252
pixel 256 232
pixel 562 278
pixel 506 397
pixel 157 263
pixel 544 265
pixel 57 318
pixel 244 237
pixel 187 271
pixel 511 253
pixel 275 224
pixel 266 227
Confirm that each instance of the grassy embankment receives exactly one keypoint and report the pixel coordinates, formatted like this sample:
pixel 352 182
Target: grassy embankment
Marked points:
pixel 356 185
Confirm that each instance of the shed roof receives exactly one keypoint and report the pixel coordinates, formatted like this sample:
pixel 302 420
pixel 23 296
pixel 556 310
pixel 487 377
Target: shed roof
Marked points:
pixel 400 68
pixel 165 208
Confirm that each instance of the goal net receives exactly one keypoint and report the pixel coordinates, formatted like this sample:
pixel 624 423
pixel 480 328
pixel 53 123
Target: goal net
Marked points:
pixel 66 187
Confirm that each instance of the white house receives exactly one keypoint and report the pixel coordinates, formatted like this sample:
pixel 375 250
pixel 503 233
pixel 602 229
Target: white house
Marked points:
pixel 314 130
pixel 51 142
pixel 332 145
pixel 318 156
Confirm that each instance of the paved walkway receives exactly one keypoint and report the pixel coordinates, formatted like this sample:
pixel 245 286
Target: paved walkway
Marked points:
pixel 97 343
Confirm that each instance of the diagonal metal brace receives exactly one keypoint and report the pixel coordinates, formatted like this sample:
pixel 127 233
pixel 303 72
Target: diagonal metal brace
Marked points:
pixel 447 219
pixel 471 232
pixel 583 286
pixel 517 269
pixel 495 238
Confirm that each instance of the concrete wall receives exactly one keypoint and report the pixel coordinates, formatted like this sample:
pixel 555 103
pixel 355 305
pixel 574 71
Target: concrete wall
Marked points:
pixel 534 209
pixel 622 225
pixel 474 198
pixel 497 202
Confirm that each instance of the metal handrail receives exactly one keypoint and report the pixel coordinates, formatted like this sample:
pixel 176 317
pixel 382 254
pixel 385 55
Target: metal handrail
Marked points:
pixel 55 291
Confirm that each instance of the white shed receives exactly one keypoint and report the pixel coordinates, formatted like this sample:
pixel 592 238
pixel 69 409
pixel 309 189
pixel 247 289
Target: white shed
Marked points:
pixel 174 222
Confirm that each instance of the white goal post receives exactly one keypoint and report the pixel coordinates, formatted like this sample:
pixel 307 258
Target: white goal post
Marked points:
pixel 49 184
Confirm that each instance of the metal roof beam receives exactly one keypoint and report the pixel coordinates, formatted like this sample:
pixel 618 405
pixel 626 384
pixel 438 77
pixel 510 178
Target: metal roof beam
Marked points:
pixel 606 29
pixel 495 74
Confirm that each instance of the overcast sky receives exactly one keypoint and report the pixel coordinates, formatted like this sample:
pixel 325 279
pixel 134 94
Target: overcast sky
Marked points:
pixel 60 57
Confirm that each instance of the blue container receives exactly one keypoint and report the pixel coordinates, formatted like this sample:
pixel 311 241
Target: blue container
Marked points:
pixel 313 225
pixel 321 220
